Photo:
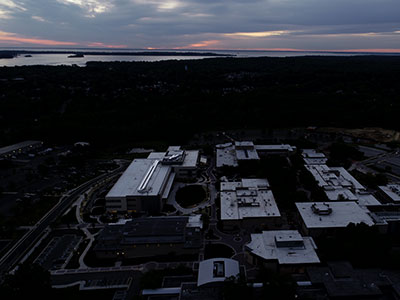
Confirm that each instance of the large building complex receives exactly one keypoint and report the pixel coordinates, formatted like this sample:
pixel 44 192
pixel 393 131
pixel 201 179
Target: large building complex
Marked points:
pixel 248 203
pixel 141 188
pixel 146 183
pixel 233 154
pixel 281 250
pixel 319 218
pixel 152 236
pixel 20 148
pixel 338 184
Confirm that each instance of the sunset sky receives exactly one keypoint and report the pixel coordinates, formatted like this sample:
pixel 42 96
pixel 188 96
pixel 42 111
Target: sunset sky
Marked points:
pixel 367 25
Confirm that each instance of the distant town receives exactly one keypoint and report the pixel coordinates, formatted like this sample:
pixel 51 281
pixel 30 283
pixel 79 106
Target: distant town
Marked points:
pixel 295 213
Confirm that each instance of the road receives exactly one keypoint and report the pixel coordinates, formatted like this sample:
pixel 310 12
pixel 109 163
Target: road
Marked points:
pixel 67 279
pixel 13 256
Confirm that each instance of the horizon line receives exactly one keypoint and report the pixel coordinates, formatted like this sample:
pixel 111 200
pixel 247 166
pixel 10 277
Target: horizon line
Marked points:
pixel 376 50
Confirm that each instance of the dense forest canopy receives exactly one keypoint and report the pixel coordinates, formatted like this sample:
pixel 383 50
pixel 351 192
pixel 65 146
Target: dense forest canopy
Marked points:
pixel 170 100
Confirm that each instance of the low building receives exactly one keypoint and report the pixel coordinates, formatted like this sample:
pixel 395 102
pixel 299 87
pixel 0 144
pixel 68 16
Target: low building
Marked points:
pixel 312 157
pixel 339 280
pixel 390 193
pixel 20 148
pixel 248 203
pixel 386 217
pixel 338 184
pixel 234 154
pixel 284 149
pixel 318 218
pixel 281 250
pixel 216 270
pixel 144 237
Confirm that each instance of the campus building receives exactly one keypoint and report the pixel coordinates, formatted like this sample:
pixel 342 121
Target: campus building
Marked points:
pixel 390 193
pixel 386 217
pixel 146 183
pixel 142 188
pixel 281 251
pixel 339 280
pixel 338 184
pixel 249 204
pixel 234 154
pixel 319 218
pixel 152 236
pixel 312 157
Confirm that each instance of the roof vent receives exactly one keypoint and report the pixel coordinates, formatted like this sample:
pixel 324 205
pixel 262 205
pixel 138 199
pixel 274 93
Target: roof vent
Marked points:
pixel 321 209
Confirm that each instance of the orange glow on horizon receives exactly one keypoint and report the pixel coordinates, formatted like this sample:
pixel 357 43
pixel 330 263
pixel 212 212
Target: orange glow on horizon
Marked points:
pixel 201 44
pixel 12 38
pixel 97 44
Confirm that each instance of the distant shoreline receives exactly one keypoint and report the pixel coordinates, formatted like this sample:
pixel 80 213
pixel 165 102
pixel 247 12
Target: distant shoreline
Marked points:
pixel 9 54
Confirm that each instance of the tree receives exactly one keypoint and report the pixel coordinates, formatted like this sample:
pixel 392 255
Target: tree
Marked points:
pixel 30 281
pixel 236 288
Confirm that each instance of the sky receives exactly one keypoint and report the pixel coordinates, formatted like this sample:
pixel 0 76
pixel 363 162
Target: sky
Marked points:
pixel 345 25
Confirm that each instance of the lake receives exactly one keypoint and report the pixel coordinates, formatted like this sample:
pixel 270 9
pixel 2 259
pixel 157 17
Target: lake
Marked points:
pixel 63 59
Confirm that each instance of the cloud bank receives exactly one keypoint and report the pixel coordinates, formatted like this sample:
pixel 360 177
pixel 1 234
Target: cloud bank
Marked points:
pixel 217 24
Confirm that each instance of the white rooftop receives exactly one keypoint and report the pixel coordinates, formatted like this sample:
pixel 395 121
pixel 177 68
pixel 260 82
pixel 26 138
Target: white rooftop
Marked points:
pixel 333 214
pixel 249 198
pixel 337 183
pixel 348 177
pixel 312 153
pixel 229 154
pixel 133 177
pixel 283 147
pixel 392 191
pixel 286 246
pixel 217 270
pixel 226 155
pixel 189 157
pixel 365 199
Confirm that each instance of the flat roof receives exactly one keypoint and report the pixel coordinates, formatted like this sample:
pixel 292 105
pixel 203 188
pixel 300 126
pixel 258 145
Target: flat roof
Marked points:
pixel 392 191
pixel 312 153
pixel 249 198
pixel 315 161
pixel 14 147
pixel 336 182
pixel 129 182
pixel 217 270
pixel 229 154
pixel 348 177
pixel 247 154
pixel 342 214
pixel 150 230
pixel 366 199
pixel 295 250
pixel 312 157
pixel 283 147
pixel 226 156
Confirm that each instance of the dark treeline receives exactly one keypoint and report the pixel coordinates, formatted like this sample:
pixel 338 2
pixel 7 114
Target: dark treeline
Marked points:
pixel 170 100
